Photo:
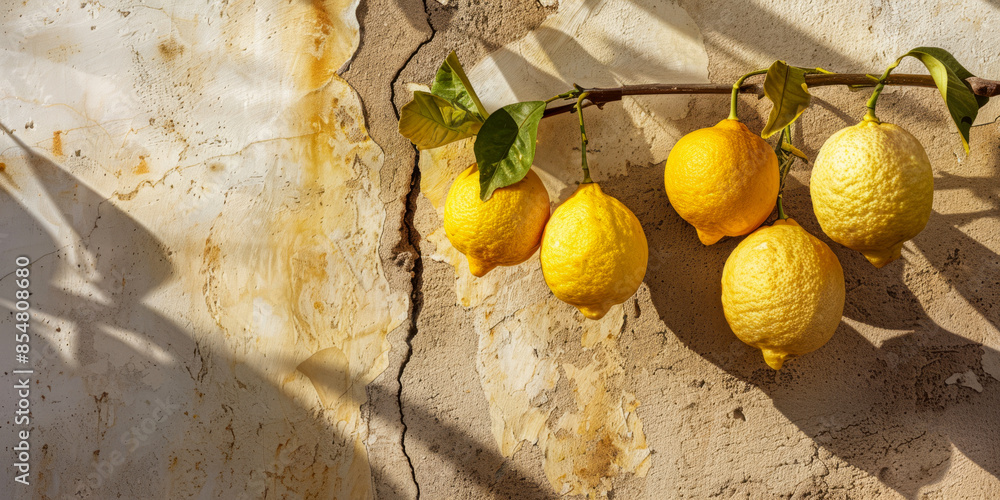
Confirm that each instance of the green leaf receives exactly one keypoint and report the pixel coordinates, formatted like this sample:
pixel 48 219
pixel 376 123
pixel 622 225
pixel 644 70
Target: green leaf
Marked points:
pixel 950 77
pixel 453 85
pixel 430 121
pixel 505 146
pixel 785 86
pixel 949 61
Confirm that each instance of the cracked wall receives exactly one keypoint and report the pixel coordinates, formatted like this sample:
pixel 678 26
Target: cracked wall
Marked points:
pixel 242 288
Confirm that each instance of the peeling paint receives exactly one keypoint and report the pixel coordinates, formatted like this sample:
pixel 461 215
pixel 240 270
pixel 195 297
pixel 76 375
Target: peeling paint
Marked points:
pixel 260 306
pixel 598 438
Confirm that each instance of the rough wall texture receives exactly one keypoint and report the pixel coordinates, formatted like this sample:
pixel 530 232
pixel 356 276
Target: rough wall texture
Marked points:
pixel 241 287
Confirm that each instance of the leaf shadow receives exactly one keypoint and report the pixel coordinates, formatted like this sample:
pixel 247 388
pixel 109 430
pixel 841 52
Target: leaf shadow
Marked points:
pixel 129 264
pixel 880 402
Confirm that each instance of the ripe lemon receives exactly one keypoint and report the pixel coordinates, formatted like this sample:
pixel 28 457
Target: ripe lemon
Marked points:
pixel 872 188
pixel 503 231
pixel 783 291
pixel 594 252
pixel 723 180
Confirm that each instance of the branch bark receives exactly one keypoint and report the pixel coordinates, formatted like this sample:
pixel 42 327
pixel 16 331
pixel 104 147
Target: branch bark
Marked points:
pixel 602 96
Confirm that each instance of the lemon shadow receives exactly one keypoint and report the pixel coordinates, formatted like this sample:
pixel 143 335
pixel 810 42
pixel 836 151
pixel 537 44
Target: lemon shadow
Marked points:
pixel 883 405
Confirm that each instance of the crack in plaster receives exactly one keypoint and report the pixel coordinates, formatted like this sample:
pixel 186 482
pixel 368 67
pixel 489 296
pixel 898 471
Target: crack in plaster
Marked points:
pixel 413 241
pixel 36 260
pixel 395 78
pixel 417 301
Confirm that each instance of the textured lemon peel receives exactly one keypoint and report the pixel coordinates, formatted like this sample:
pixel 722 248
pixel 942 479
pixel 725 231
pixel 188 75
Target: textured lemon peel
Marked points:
pixel 872 189
pixel 504 231
pixel 594 252
pixel 723 180
pixel 783 292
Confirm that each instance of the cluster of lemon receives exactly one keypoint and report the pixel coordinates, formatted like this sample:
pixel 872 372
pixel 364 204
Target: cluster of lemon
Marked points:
pixel 593 249
pixel 782 288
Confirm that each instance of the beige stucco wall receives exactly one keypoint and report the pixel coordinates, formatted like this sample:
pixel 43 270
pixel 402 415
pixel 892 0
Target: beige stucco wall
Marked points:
pixel 241 287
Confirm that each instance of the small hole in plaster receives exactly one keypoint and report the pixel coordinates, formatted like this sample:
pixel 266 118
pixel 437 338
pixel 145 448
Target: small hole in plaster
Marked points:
pixel 738 414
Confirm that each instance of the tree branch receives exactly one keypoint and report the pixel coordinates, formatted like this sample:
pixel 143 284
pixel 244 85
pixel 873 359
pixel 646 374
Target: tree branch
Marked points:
pixel 602 96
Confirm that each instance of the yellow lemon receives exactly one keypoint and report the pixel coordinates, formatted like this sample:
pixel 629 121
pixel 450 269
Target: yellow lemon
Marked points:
pixel 594 252
pixel 872 188
pixel 723 180
pixel 783 291
pixel 502 231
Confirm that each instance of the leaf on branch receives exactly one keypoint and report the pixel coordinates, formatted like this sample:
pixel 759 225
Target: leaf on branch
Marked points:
pixel 505 146
pixel 430 121
pixel 785 86
pixel 950 77
pixel 453 85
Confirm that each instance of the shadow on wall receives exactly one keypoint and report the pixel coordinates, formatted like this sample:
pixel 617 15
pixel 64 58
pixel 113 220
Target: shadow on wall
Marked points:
pixel 723 25
pixel 885 409
pixel 128 264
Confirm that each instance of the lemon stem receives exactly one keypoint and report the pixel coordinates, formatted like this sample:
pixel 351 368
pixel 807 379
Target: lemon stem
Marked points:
pixel 565 95
pixel 736 91
pixel 870 115
pixel 784 167
pixel 583 139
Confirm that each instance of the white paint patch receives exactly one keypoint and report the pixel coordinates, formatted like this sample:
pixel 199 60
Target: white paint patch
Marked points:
pixel 991 362
pixel 966 379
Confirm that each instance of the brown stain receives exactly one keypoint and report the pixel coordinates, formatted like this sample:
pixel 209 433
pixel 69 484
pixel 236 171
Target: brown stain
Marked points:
pixel 57 145
pixel 300 240
pixel 322 42
pixel 598 463
pixel 321 67
pixel 44 468
pixel 6 175
pixel 170 49
pixel 62 53
pixel 142 167
pixel 354 131
pixel 211 262
pixel 134 192
pixel 295 258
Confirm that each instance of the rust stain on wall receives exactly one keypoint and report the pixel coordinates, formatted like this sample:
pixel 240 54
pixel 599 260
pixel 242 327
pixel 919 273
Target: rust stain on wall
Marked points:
pixel 307 287
pixel 587 443
pixel 142 167
pixel 57 143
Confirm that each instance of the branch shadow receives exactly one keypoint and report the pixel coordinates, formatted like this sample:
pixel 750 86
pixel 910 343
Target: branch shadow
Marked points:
pixel 892 404
pixel 128 264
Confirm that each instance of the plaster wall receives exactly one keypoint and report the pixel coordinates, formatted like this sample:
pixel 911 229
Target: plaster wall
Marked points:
pixel 241 287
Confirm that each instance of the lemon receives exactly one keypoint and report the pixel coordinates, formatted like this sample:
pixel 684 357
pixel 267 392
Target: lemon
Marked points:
pixel 594 252
pixel 872 188
pixel 502 231
pixel 783 291
pixel 723 180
